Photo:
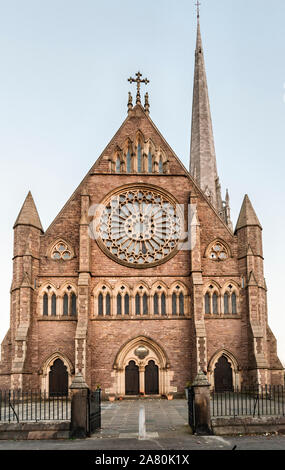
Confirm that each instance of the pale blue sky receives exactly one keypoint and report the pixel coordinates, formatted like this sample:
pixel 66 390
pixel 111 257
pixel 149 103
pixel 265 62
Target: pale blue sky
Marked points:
pixel 63 95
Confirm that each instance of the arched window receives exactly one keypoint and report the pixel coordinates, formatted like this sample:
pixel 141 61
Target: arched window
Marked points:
pixel 119 304
pixel 149 162
pixel 69 302
pixel 73 304
pixel 178 301
pixel 234 303
pixel 127 304
pixel 174 304
pixel 181 304
pixel 159 300
pixel 230 300
pixel 155 304
pixel 163 304
pixel 53 304
pixel 226 303
pixel 207 304
pixel 48 301
pixel 45 304
pixel 138 304
pixel 211 301
pixel 61 251
pixel 65 304
pixel 118 164
pixel 160 165
pixel 139 158
pixel 145 306
pixel 100 304
pixel 129 168
pixel 215 304
pixel 108 304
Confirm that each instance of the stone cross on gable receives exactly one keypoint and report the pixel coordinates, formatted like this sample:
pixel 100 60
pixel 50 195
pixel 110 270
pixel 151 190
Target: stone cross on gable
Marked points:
pixel 138 81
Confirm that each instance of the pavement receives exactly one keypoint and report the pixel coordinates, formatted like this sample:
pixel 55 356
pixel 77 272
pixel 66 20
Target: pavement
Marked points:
pixel 166 429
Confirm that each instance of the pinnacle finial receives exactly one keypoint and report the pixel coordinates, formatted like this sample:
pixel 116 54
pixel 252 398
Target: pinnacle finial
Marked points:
pixel 138 82
pixel 130 102
pixel 146 103
pixel 198 4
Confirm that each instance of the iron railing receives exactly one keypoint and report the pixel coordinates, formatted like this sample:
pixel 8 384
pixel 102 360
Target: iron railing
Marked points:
pixel 268 400
pixel 33 405
pixel 94 411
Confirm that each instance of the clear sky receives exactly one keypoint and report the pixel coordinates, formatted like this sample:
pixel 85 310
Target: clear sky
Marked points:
pixel 63 95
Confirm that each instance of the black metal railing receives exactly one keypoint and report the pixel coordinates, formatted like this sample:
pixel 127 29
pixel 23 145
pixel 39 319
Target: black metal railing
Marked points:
pixel 268 400
pixel 33 405
pixel 94 411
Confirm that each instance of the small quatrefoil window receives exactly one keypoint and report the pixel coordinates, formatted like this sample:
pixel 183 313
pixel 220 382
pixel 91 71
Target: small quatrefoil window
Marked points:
pixel 218 252
pixel 61 251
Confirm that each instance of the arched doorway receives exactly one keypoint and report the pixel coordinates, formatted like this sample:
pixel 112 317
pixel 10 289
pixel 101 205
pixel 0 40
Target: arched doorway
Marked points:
pixel 151 379
pixel 152 373
pixel 132 379
pixel 223 375
pixel 58 379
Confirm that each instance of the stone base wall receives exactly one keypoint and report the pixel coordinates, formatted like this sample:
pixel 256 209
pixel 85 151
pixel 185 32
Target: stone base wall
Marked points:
pixel 34 431
pixel 247 425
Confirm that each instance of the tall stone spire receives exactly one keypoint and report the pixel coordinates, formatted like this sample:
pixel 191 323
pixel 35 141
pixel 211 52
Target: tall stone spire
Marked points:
pixel 203 166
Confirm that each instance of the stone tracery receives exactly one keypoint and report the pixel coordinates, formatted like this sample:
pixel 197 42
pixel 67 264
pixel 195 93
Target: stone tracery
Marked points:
pixel 140 226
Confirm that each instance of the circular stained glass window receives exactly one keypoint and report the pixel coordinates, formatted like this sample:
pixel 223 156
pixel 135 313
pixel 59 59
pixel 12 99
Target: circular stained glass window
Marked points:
pixel 139 227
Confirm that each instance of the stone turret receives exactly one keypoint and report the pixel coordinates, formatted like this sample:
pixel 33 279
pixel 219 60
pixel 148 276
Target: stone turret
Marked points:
pixel 27 232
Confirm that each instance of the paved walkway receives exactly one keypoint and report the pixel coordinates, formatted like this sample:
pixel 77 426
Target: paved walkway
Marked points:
pixel 162 417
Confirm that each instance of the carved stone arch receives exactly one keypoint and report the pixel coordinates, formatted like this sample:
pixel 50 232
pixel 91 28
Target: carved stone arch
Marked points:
pixel 141 350
pixel 234 365
pixel 213 290
pixel 47 288
pixel 122 299
pixel 103 288
pixel 218 241
pixel 68 289
pixel 159 299
pixel 232 290
pixel 215 285
pixel 141 283
pixel 54 248
pixel 141 299
pixel 184 290
pixel 139 138
pixel 48 363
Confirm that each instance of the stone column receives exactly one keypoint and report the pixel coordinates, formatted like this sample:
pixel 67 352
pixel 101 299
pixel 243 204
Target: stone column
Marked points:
pixel 201 388
pixel 79 407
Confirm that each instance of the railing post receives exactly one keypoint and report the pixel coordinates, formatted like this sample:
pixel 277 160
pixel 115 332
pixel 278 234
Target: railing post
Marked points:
pixel 79 407
pixel 201 388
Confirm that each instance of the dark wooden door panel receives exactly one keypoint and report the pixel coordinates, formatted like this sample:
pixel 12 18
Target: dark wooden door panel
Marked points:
pixel 132 379
pixel 151 379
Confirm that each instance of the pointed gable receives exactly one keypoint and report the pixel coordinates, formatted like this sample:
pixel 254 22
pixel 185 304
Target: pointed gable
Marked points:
pixel 247 215
pixel 28 214
pixel 138 128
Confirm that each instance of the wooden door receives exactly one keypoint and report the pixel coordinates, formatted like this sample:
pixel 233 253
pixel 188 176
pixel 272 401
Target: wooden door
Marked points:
pixel 223 376
pixel 58 379
pixel 151 379
pixel 132 379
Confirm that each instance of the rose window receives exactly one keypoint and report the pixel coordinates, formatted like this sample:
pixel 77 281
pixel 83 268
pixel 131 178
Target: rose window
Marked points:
pixel 139 227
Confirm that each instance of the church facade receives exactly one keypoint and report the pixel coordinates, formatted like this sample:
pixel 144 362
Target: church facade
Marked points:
pixel 141 281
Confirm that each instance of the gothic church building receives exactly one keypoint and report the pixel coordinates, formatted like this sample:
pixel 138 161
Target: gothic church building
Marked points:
pixel 141 281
